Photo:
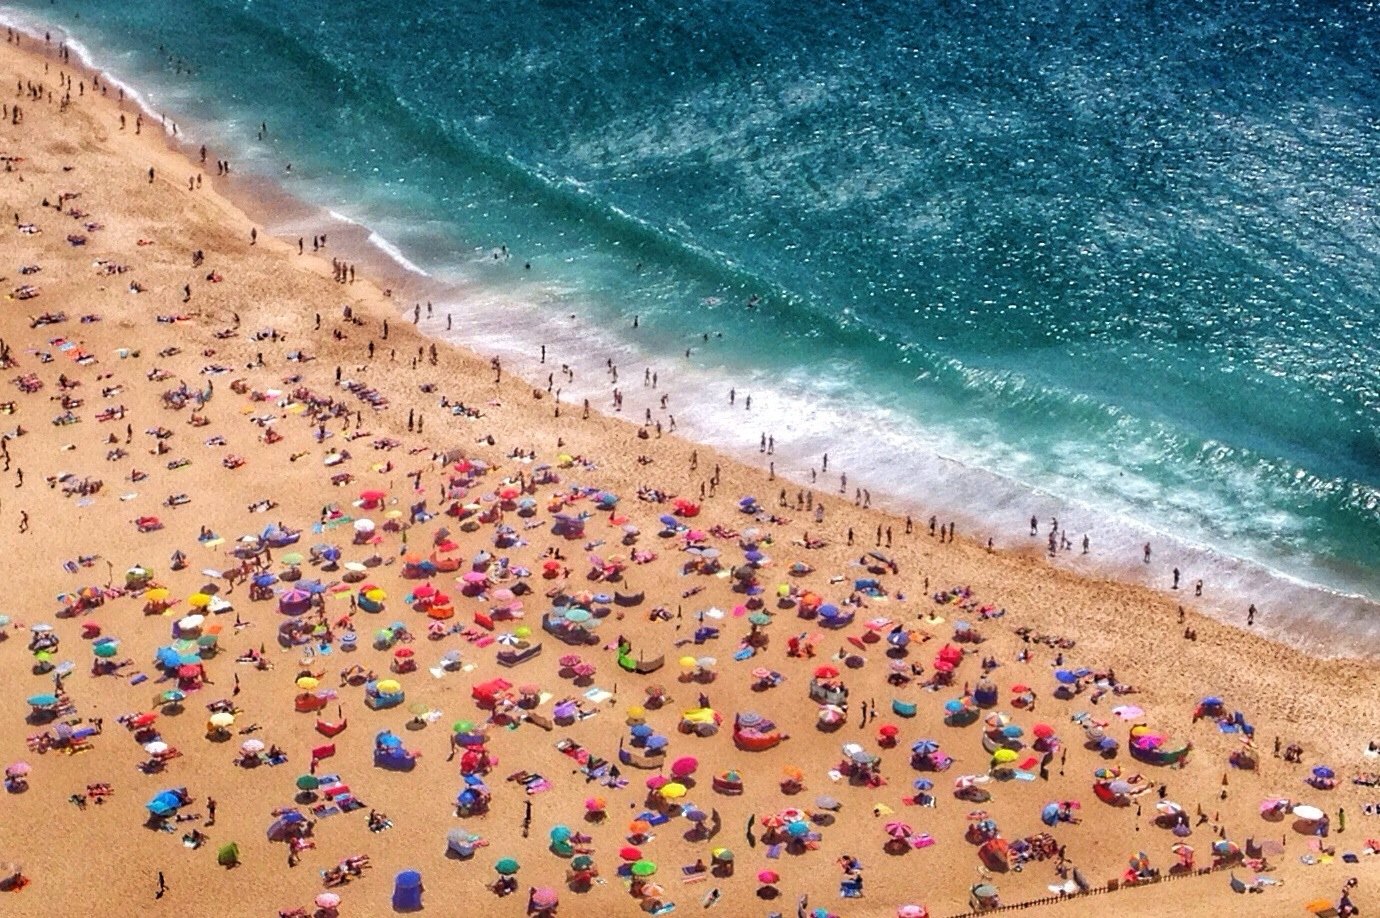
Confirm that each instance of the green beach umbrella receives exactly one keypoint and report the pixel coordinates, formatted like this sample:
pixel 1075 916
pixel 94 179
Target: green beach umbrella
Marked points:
pixel 462 726
pixel 507 866
pixel 308 782
pixel 643 868
pixel 291 557
pixel 582 862
pixel 560 834
pixel 759 618
pixel 106 649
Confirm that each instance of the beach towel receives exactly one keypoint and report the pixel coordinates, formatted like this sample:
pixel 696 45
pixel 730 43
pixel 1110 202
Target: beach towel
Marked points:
pixel 322 810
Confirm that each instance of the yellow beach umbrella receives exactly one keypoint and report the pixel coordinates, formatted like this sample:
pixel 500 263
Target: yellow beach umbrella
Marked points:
pixel 1004 756
pixel 390 686
pixel 522 632
pixel 375 595
pixel 198 600
pixel 307 683
pixel 673 791
pixel 687 663
pixel 222 719
pixel 157 594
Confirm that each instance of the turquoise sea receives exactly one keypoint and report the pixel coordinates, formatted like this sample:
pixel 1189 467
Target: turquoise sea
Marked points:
pixel 1114 262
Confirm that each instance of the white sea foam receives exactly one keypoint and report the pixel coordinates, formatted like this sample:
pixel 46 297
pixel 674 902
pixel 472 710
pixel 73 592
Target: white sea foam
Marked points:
pixel 395 253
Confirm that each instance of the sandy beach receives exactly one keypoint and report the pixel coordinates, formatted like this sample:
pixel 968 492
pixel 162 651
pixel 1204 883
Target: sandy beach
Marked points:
pixel 177 381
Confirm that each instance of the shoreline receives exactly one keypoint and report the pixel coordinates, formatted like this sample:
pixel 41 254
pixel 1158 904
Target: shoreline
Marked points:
pixel 1338 624
pixel 1116 625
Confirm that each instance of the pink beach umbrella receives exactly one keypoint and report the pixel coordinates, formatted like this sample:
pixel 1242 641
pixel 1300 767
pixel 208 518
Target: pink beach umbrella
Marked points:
pixel 899 830
pixel 17 769
pixel 684 766
pixel 544 897
pixel 768 877
pixel 583 670
pixel 657 782
pixel 327 900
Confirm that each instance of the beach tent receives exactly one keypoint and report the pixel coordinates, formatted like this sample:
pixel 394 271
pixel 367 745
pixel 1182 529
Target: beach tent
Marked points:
pixel 407 891
pixel 228 855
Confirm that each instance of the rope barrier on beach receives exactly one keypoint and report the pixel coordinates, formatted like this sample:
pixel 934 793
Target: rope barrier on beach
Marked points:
pixel 1098 891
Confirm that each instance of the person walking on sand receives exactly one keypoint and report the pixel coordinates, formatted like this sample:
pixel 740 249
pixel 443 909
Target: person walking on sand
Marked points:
pixel 162 886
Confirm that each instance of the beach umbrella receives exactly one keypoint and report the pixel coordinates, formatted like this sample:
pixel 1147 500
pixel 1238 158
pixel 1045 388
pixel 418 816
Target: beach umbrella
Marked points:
pixel 252 746
pixel 1106 774
pixel 172 696
pixel 582 862
pixel 560 834
pixel 1168 808
pixel 389 686
pixel 924 747
pixel 825 802
pixel 911 911
pixel 307 683
pixel 684 766
pixel 797 828
pixel 197 601
pixel 291 558
pixel 673 791
pixel 657 782
pixel 639 827
pixel 327 900
pixel 1003 756
pixel 759 619
pixel 595 804
pixel 544 897
pixel 42 701
pixel 1011 731
pixel 696 816
pixel 1128 711
pixel 222 719
pixel 308 782
pixel 630 853
pixel 106 649
pixel 899 829
pixel 1308 813
pixel 643 868
pixel 826 672
pixel 997 720
pixel 1065 676
pixel 768 877
pixel 1043 731
pixel 922 784
pixel 17 769
pixel 506 866
pixel 1324 773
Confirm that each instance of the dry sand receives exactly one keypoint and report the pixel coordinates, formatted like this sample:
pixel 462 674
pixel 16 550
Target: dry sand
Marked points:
pixel 104 854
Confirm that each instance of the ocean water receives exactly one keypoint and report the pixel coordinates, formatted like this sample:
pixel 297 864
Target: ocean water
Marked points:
pixel 1112 262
